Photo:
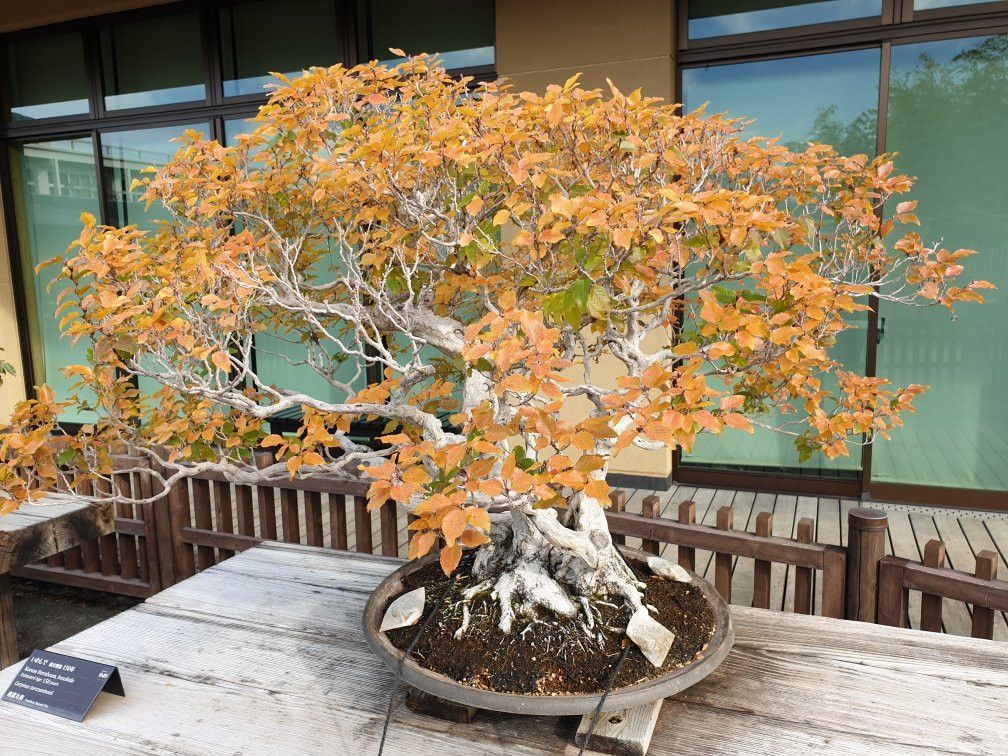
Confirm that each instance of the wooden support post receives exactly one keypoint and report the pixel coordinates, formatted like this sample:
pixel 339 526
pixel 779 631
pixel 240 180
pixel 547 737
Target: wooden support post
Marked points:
pixel 246 513
pixel 617 503
pixel 761 567
pixel 722 562
pixel 931 605
pixel 803 575
pixel 289 520
pixel 267 513
pixel 687 554
pixel 983 617
pixel 205 556
pixel 8 636
pixel 865 548
pixel 623 731
pixel 651 507
pixel 892 596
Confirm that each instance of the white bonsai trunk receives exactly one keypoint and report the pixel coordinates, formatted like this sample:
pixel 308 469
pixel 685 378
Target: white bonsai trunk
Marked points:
pixel 537 562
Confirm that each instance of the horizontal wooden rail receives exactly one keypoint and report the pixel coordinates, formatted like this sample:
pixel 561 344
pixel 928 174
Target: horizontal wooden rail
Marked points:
pixel 737 542
pixel 318 485
pixel 952 584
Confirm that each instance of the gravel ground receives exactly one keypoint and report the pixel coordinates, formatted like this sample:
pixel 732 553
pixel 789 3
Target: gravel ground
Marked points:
pixel 45 613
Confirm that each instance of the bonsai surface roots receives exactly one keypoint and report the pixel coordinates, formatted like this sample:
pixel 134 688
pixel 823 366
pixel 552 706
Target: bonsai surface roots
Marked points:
pixel 549 655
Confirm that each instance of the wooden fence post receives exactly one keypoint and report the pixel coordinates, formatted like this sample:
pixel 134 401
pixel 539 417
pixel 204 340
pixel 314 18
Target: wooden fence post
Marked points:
pixel 983 617
pixel 803 575
pixel 617 503
pixel 722 562
pixel 892 596
pixel 761 567
pixel 931 605
pixel 651 507
pixel 687 554
pixel 833 583
pixel 178 514
pixel 865 548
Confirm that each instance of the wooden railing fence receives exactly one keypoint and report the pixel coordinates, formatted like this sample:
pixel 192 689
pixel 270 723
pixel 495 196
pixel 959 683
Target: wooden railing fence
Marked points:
pixel 207 519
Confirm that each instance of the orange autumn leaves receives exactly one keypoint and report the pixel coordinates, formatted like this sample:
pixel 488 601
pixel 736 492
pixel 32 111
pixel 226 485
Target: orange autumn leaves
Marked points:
pixel 612 273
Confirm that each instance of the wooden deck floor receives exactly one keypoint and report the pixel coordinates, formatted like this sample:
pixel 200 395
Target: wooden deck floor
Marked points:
pixel 910 527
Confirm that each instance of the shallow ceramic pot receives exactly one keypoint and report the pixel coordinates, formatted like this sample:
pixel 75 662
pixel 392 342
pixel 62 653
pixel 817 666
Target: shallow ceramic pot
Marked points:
pixel 620 698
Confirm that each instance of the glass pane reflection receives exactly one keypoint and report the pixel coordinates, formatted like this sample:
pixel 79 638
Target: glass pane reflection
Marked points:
pixel 34 91
pixel 830 98
pixel 947 110
pixel 153 61
pixel 716 18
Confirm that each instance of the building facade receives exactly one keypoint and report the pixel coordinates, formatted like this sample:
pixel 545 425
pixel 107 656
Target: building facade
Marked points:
pixel 92 91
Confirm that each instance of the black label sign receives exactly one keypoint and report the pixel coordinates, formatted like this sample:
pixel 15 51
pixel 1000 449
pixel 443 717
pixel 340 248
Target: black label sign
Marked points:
pixel 62 685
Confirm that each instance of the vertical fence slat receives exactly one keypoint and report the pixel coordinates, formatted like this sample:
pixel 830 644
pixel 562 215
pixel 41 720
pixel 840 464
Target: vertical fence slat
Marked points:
pixel 761 567
pixel 90 552
pixel 267 513
pixel 246 514
pixel 931 605
pixel 362 526
pixel 127 543
pixel 892 596
pixel 389 529
pixel 687 554
pixel 108 544
pixel 722 562
pixel 289 515
pixel 204 521
pixel 617 503
pixel 338 521
pixel 313 517
pixel 178 511
pixel 983 617
pixel 157 519
pixel 834 577
pixel 651 507
pixel 222 513
pixel 803 575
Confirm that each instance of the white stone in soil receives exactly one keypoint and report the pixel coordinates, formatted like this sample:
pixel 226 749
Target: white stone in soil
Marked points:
pixel 665 568
pixel 404 611
pixel 652 637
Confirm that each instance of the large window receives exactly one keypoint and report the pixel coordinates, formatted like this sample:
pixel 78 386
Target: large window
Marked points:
pixel 88 105
pixel 833 98
pixel 930 82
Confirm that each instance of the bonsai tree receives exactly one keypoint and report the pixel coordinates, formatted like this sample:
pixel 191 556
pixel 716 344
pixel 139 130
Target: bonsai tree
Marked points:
pixel 535 282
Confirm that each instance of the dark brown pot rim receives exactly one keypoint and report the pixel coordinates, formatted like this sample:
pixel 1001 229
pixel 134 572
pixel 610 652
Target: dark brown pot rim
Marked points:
pixel 621 698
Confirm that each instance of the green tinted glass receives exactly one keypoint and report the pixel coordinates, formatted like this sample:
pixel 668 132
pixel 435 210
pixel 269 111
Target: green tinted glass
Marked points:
pixel 947 115
pixel 286 37
pixel 825 98
pixel 34 91
pixel 716 18
pixel 283 359
pixel 153 61
pixel 461 32
pixel 54 182
pixel 931 4
pixel 125 154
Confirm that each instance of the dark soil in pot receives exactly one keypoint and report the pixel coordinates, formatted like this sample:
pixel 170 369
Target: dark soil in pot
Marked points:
pixel 549 655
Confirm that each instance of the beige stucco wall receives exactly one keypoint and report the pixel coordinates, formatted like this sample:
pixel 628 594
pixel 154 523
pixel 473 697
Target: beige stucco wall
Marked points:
pixel 630 42
pixel 542 42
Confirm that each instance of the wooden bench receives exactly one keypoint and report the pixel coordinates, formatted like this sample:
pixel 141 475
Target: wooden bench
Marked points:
pixel 35 532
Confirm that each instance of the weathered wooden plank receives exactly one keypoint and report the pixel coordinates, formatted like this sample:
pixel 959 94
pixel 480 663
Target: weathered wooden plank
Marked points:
pixel 806 507
pixel 828 532
pixel 744 574
pixel 783 525
pixel 296 611
pixel 705 558
pixel 41 531
pixel 903 544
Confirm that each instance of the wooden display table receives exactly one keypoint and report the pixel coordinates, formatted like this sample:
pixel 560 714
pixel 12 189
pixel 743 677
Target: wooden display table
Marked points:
pixel 264 654
pixel 36 532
